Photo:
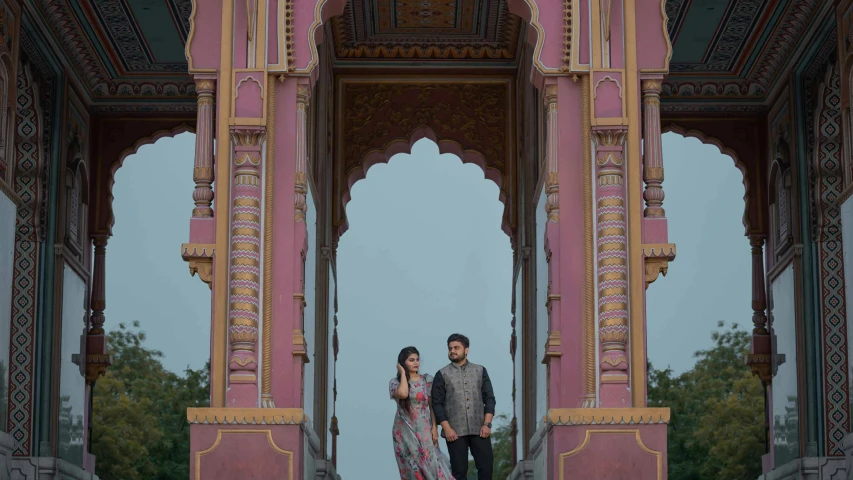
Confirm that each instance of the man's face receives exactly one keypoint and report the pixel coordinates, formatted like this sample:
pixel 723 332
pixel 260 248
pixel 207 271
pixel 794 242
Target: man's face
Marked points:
pixel 456 352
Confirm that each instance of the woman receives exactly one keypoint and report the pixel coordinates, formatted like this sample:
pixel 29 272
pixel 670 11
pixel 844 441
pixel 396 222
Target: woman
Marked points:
pixel 415 432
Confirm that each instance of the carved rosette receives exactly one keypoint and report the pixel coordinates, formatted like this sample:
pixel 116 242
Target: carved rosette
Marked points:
pixel 203 169
pixel 652 150
pixel 552 184
pixel 301 178
pixel 244 285
pixel 612 258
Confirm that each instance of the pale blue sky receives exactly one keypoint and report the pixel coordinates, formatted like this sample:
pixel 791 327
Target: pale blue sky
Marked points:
pixel 424 257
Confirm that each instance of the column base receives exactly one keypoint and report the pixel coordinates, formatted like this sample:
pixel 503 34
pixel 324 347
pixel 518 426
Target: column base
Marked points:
pixel 229 443
pixel 810 468
pixel 607 443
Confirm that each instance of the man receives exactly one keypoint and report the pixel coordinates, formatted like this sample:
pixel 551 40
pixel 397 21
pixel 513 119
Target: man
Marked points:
pixel 464 404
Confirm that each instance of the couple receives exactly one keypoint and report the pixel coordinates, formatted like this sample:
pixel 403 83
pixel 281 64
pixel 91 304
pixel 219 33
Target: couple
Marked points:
pixel 460 399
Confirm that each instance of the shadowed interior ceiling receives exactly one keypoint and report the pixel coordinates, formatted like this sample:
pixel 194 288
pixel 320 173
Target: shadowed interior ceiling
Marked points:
pixel 124 51
pixel 129 54
pixel 439 30
pixel 735 51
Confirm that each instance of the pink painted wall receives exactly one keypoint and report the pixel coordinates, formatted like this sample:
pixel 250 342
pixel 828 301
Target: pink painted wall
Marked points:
pixel 272 28
pixel 286 370
pixel 617 35
pixel 566 382
pixel 612 452
pixel 241 35
pixel 244 452
pixel 651 39
pixel 206 41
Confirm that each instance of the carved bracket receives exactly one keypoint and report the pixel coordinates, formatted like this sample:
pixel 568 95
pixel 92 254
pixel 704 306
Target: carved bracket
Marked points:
pixel 96 366
pixel 200 258
pixel 657 258
pixel 300 346
pixel 761 365
pixel 552 346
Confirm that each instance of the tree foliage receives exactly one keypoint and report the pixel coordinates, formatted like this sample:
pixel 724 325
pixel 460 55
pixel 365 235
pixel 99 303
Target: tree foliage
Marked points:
pixel 140 428
pixel 716 429
pixel 502 448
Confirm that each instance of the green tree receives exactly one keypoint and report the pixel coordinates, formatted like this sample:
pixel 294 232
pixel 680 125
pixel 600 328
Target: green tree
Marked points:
pixel 139 411
pixel 502 448
pixel 716 429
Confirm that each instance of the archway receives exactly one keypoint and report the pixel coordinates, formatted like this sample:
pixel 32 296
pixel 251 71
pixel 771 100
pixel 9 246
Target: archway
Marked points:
pixel 156 314
pixel 704 301
pixel 147 230
pixel 410 272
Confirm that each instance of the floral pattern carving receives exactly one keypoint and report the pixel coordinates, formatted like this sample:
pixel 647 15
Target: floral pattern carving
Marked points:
pixel 473 115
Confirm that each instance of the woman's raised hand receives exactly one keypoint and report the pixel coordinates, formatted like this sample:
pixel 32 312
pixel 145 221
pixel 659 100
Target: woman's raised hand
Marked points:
pixel 401 371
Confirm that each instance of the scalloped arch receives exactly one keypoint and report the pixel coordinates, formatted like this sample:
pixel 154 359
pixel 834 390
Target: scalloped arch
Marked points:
pixel 133 149
pixel 709 140
pixel 404 145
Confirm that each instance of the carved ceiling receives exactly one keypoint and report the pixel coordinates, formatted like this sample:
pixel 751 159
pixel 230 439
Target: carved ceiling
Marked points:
pixel 734 51
pixel 441 30
pixel 125 51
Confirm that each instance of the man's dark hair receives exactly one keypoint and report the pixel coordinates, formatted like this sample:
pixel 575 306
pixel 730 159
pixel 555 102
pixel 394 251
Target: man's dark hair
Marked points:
pixel 458 337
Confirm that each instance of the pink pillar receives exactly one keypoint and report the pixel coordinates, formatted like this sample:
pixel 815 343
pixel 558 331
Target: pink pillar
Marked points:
pixel 289 349
pixel 612 266
pixel 244 285
pixel 652 149
pixel 202 223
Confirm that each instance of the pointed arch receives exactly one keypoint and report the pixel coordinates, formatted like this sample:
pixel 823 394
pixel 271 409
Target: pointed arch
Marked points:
pixel 404 146
pixel 740 165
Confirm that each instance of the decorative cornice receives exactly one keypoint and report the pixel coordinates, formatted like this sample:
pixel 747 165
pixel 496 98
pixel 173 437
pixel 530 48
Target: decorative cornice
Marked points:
pixel 246 416
pixel 197 250
pixel 607 416
pixel 659 250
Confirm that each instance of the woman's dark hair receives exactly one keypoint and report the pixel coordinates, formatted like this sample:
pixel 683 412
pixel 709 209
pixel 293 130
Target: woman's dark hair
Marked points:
pixel 405 353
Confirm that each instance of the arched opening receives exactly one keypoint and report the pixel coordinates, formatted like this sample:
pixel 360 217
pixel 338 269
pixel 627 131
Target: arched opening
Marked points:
pixel 422 260
pixel 157 316
pixel 704 301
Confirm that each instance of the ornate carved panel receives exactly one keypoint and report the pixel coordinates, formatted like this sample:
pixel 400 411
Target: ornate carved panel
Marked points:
pixel 471 116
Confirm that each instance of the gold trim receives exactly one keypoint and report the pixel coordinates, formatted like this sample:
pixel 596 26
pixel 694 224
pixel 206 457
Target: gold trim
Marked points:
pixel 608 416
pixel 269 204
pixel 587 436
pixel 634 183
pixel 218 440
pixel 246 416
pixel 222 168
pixel 589 327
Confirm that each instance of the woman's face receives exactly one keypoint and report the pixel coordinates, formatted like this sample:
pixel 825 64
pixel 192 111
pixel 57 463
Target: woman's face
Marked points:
pixel 413 363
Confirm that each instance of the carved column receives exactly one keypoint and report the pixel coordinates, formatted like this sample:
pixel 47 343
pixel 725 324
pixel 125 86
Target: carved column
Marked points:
pixel 552 184
pixel 300 347
pixel 612 265
pixel 652 150
pixel 244 284
pixel 759 358
pixel 97 359
pixel 203 169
